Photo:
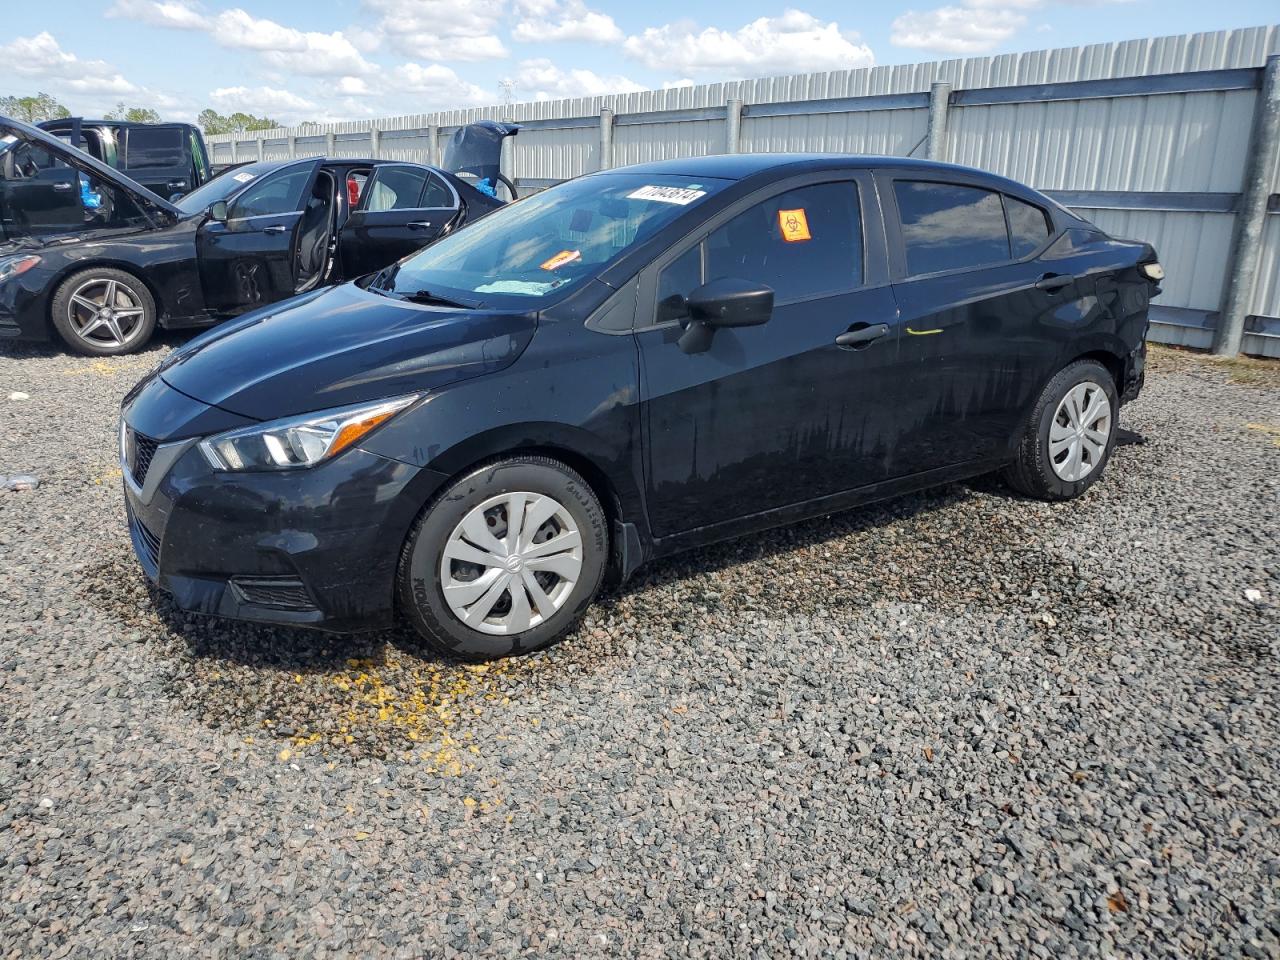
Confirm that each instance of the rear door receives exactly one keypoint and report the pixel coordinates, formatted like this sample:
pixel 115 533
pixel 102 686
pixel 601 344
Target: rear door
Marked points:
pixel 39 191
pixel 402 208
pixel 782 413
pixel 979 311
pixel 158 156
pixel 248 260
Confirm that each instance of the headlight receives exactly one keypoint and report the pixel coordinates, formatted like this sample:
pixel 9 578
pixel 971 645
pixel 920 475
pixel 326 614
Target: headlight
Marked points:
pixel 11 267
pixel 299 441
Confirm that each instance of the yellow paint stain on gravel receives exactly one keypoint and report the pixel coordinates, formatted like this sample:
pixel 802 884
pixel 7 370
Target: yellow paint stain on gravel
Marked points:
pixel 1270 430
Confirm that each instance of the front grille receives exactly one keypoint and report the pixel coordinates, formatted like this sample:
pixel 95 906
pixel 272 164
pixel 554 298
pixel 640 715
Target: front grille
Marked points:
pixel 284 592
pixel 148 541
pixel 143 449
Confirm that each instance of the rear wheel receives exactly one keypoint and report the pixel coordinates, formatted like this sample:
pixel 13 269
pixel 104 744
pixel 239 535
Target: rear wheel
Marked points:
pixel 104 312
pixel 1070 435
pixel 505 561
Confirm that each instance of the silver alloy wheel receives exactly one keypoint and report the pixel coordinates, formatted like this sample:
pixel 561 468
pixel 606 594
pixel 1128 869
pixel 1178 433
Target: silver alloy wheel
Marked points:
pixel 511 563
pixel 1079 432
pixel 104 312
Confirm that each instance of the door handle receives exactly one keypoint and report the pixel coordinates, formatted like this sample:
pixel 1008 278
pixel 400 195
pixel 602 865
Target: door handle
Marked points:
pixel 419 225
pixel 1054 281
pixel 275 228
pixel 862 337
pixel 62 187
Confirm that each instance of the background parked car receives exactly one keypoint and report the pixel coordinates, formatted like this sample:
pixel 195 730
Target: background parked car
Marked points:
pixel 95 257
pixel 169 159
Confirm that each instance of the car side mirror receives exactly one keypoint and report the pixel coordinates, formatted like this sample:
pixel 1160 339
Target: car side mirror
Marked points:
pixel 218 211
pixel 725 302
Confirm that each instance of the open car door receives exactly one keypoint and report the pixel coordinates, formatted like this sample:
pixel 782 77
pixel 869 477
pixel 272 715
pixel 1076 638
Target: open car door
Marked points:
pixel 250 258
pixel 403 208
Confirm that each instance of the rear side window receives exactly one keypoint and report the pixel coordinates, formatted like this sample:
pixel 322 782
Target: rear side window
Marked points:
pixel 802 243
pixel 148 147
pixel 396 188
pixel 1028 227
pixel 949 227
pixel 437 194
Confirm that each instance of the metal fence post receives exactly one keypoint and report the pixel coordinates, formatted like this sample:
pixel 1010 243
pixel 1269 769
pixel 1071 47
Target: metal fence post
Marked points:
pixel 733 126
pixel 375 143
pixel 261 148
pixel 606 138
pixel 433 145
pixel 1251 218
pixel 939 101
pixel 235 148
pixel 292 145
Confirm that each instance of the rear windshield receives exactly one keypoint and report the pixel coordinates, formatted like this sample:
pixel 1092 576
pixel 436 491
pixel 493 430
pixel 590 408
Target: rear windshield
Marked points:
pixel 153 147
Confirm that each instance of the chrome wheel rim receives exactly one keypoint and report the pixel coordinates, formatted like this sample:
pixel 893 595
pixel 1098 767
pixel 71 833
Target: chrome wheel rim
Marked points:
pixel 511 563
pixel 105 313
pixel 1080 431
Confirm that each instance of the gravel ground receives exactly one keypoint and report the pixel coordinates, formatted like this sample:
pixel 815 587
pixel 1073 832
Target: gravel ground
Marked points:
pixel 956 724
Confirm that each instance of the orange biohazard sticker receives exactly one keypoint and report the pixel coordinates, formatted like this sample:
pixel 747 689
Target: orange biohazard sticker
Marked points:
pixel 794 225
pixel 561 258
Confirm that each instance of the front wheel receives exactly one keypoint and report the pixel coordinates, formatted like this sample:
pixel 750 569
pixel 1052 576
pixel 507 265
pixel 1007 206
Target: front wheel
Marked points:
pixel 1069 436
pixel 505 561
pixel 104 312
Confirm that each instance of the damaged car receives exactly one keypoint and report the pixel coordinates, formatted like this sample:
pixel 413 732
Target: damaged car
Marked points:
pixel 92 257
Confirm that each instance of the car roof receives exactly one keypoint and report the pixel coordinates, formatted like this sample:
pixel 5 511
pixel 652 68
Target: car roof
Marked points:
pixel 740 166
pixel 85 122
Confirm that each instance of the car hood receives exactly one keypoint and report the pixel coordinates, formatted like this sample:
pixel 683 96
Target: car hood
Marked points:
pixel 338 346
pixel 78 158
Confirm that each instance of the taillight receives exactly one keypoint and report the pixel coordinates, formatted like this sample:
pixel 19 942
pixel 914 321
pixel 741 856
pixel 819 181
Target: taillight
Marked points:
pixel 353 191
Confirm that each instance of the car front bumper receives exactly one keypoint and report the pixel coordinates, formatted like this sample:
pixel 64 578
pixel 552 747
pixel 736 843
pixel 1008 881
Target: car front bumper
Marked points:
pixel 316 547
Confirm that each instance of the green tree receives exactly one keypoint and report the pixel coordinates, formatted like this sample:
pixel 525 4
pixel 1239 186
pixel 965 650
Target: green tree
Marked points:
pixel 213 122
pixel 133 114
pixel 33 109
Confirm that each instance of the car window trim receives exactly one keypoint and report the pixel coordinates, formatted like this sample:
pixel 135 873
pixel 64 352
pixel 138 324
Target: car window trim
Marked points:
pixel 897 242
pixel 873 263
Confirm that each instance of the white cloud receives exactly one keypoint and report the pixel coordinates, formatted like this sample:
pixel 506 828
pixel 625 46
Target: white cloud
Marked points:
pixel 966 29
pixel 260 100
pixel 440 29
pixel 543 21
pixel 795 42
pixel 544 80
pixel 178 14
pixel 435 86
pixel 43 60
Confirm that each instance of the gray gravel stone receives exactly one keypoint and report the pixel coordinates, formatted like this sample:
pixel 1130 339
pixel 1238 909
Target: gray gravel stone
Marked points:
pixel 956 724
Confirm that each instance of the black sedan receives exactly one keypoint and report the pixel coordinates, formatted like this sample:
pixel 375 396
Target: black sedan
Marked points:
pixel 629 364
pixel 90 255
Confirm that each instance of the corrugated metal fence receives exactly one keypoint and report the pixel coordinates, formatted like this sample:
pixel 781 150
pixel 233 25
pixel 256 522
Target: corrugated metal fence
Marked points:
pixel 1147 138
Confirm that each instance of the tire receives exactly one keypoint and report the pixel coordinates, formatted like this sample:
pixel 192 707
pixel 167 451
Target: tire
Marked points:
pixel 437 593
pixel 77 314
pixel 1043 466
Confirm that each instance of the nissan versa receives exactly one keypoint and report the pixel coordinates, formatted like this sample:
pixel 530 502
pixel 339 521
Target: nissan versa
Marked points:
pixel 629 364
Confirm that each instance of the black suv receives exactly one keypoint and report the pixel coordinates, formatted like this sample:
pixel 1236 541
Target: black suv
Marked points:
pixel 169 159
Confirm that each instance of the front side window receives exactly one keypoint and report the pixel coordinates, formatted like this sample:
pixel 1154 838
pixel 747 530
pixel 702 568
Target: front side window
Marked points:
pixel 396 188
pixel 1028 227
pixel 949 227
pixel 277 194
pixel 802 243
pixel 677 280
pixel 548 243
pixel 147 147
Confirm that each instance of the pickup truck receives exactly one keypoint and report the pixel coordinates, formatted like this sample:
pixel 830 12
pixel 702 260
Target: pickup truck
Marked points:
pixel 169 159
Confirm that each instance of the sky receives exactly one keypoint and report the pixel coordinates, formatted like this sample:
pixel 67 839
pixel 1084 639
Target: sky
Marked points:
pixel 323 60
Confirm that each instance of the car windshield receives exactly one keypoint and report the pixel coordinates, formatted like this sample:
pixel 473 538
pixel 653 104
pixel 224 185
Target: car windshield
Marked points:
pixel 222 186
pixel 547 243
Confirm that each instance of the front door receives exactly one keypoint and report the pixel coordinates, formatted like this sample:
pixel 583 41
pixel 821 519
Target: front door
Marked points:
pixel 249 259
pixel 781 413
pixel 979 313
pixel 402 208
pixel 40 194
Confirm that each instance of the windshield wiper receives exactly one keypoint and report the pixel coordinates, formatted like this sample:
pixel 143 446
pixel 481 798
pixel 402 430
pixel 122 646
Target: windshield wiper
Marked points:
pixel 426 296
